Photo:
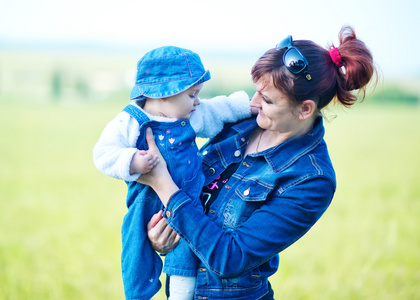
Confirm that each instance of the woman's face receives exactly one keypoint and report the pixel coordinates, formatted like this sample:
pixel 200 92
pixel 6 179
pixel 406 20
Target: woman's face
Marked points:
pixel 275 112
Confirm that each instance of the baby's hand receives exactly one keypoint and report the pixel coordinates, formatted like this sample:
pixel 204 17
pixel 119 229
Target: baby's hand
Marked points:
pixel 143 162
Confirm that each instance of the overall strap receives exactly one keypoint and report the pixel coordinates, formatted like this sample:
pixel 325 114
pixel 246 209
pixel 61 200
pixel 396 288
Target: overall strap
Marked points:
pixel 142 119
pixel 136 113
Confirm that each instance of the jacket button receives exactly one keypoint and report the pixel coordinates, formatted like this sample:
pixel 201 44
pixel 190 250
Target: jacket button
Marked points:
pixel 212 211
pixel 246 192
pixel 183 123
pixel 205 152
pixel 212 171
pixel 237 153
pixel 168 213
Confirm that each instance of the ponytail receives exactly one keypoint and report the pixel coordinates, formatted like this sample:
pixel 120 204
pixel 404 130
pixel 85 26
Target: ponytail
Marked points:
pixel 358 67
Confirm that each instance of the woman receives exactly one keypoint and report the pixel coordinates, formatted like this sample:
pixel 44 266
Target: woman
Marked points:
pixel 269 178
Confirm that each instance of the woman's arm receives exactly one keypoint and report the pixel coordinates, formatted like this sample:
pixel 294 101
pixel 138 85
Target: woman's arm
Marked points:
pixel 270 229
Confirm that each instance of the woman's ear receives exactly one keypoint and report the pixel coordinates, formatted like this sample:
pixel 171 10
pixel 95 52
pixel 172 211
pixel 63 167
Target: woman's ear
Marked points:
pixel 307 109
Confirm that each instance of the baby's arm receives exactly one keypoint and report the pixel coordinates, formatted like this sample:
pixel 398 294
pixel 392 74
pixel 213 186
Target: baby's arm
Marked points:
pixel 116 148
pixel 212 114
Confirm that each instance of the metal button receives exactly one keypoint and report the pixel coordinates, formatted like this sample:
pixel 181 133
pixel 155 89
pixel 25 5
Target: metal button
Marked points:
pixel 212 171
pixel 205 152
pixel 243 139
pixel 246 192
pixel 212 211
pixel 183 123
pixel 237 153
pixel 168 213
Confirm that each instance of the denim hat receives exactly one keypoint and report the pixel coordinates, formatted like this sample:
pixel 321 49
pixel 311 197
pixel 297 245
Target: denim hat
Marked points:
pixel 167 71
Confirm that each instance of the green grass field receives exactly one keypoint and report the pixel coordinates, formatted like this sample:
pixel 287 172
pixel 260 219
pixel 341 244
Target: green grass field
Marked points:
pixel 60 218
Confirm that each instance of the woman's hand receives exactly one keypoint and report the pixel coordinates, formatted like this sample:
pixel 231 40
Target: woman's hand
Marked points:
pixel 150 178
pixel 158 178
pixel 161 235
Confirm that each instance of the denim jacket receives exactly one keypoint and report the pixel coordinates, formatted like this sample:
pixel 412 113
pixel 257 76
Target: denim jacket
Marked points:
pixel 271 201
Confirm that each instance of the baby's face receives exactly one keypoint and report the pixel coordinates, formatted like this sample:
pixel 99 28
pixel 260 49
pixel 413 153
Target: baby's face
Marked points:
pixel 182 106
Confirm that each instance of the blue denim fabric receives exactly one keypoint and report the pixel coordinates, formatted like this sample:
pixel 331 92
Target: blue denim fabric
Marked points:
pixel 141 266
pixel 271 201
pixel 167 71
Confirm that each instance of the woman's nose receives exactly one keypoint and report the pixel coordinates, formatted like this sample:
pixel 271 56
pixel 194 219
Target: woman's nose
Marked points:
pixel 255 101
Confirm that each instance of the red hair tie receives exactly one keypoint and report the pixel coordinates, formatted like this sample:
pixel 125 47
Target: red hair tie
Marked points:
pixel 335 56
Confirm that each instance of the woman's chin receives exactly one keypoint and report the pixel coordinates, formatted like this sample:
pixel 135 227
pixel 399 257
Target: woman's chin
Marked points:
pixel 260 121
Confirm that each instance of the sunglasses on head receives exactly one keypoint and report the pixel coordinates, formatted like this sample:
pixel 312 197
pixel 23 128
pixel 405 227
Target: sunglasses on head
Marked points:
pixel 293 59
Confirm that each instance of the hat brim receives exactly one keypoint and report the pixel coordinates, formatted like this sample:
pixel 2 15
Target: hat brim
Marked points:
pixel 166 89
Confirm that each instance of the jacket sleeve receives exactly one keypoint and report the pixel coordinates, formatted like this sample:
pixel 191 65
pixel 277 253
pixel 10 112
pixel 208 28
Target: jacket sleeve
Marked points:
pixel 212 114
pixel 113 152
pixel 277 224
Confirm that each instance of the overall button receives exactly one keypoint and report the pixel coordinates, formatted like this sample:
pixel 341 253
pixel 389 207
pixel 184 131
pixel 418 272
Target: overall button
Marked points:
pixel 183 123
pixel 237 153
pixel 212 171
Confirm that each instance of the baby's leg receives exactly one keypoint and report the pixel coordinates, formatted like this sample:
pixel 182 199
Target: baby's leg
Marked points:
pixel 181 287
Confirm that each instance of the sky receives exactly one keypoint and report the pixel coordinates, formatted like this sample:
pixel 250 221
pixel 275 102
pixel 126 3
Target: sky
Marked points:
pixel 229 28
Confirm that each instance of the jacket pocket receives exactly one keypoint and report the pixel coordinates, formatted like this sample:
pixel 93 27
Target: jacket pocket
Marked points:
pixel 248 197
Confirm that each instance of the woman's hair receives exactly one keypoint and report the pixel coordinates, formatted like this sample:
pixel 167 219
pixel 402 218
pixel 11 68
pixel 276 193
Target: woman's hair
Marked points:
pixel 328 81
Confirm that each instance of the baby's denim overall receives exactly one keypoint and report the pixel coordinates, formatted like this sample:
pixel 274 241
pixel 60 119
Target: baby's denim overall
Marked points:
pixel 141 265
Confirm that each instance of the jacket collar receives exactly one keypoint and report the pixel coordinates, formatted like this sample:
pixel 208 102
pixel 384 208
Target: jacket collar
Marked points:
pixel 282 156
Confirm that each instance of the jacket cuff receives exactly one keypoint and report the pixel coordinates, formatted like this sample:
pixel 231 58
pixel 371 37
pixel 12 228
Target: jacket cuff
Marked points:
pixel 175 202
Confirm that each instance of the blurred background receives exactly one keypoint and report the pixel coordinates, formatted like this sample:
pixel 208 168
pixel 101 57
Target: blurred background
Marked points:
pixel 66 69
